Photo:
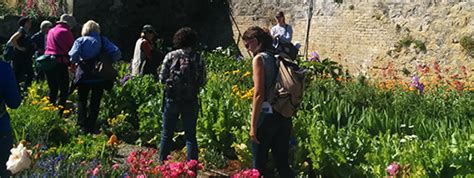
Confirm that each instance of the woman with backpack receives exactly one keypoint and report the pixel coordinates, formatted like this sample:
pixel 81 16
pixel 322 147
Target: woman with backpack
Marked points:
pixel 85 54
pixel 268 128
pixel 183 74
pixel 146 57
pixel 22 61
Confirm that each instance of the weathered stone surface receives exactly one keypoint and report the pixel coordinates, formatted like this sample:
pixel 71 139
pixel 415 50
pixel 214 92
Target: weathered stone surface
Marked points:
pixel 362 35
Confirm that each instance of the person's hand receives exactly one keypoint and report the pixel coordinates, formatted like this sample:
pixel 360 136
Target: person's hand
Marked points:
pixel 253 136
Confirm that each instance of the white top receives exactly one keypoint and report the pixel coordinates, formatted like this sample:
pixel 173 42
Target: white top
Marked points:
pixel 285 32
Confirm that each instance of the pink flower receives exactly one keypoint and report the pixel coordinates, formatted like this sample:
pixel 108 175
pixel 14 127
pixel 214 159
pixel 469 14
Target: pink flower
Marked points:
pixel 96 170
pixel 191 173
pixel 191 163
pixel 392 169
pixel 174 174
pixel 115 166
pixel 141 176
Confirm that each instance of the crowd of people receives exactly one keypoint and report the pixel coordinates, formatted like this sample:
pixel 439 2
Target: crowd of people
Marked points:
pixel 182 71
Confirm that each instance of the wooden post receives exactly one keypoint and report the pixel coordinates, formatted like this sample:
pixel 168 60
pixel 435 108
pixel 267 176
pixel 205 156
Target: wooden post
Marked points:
pixel 308 27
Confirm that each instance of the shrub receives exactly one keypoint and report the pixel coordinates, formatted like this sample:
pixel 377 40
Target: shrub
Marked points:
pixel 467 42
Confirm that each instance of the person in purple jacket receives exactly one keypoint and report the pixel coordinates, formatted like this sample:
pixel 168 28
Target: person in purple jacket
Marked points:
pixel 9 96
pixel 85 53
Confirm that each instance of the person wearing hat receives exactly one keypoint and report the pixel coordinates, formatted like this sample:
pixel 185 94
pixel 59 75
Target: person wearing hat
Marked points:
pixel 282 31
pixel 22 62
pixel 39 42
pixel 58 43
pixel 146 58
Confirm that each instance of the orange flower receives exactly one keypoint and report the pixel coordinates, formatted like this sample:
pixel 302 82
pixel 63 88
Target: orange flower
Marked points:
pixel 112 140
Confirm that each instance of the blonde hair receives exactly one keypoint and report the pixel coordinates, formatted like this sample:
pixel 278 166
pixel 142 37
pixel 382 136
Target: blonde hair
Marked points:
pixel 90 26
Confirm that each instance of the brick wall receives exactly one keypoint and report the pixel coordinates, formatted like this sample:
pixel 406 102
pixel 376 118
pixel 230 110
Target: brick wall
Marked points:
pixel 362 34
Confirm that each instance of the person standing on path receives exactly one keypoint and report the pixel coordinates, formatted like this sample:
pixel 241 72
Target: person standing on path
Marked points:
pixel 268 128
pixel 183 74
pixel 86 52
pixel 58 43
pixel 22 61
pixel 39 44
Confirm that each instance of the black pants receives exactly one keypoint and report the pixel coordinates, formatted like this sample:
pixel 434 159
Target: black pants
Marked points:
pixel 274 134
pixel 6 143
pixel 23 67
pixel 58 81
pixel 89 111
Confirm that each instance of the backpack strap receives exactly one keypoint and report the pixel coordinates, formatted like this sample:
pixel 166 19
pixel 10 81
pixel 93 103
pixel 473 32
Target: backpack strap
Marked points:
pixel 269 95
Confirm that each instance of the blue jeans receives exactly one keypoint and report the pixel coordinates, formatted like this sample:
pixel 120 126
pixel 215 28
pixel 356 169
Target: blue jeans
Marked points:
pixel 6 143
pixel 273 133
pixel 188 110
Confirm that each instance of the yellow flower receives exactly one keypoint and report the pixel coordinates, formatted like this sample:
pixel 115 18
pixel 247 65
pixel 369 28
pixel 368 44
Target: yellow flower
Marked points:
pixel 67 111
pixel 45 100
pixel 34 102
pixel 235 89
pixel 235 72
pixel 246 74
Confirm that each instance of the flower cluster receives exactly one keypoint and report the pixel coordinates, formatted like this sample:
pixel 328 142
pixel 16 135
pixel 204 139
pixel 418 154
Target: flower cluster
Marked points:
pixel 179 169
pixel 141 162
pixel 249 173
pixel 244 95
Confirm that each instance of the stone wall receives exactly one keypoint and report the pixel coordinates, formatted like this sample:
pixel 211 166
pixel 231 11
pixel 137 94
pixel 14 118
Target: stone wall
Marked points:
pixel 363 34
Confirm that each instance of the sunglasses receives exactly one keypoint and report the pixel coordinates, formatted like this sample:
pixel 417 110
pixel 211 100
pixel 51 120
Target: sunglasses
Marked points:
pixel 247 43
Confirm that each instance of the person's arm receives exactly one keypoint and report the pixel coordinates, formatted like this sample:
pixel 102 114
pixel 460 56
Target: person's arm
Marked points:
pixel 289 33
pixel 11 93
pixel 258 95
pixel 14 41
pixel 75 52
pixel 165 68
pixel 146 48
pixel 112 50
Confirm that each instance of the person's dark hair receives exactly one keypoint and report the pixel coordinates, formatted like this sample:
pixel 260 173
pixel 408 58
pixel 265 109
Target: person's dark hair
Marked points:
pixel 185 37
pixel 262 35
pixel 22 21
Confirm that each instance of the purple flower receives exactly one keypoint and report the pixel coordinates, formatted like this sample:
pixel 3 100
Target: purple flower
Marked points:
pixel 314 57
pixel 417 84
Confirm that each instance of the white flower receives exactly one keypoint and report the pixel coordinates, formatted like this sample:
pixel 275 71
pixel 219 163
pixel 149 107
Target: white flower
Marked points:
pixel 19 159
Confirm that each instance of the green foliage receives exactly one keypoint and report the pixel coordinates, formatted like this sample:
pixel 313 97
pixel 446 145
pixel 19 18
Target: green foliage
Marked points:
pixel 467 42
pixel 408 41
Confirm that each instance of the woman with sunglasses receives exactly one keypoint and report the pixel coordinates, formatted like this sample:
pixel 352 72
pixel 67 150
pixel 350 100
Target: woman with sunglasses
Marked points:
pixel 268 129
